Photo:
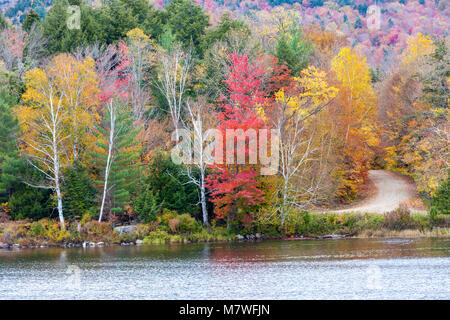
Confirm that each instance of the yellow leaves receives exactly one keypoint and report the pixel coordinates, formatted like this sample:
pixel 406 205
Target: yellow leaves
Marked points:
pixel 391 157
pixel 315 85
pixel 137 34
pixel 417 47
pixel 371 138
pixel 353 72
pixel 33 79
pixel 312 90
pixel 67 89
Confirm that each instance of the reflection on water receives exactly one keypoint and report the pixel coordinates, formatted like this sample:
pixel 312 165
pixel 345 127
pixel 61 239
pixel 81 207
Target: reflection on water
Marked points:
pixel 309 269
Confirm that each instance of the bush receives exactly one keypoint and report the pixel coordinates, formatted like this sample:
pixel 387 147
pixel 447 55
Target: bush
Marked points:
pixel 146 206
pixel 398 219
pixel 441 200
pixel 157 236
pixel 187 223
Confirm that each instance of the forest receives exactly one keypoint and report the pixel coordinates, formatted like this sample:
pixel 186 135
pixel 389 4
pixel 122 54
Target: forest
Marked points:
pixel 90 105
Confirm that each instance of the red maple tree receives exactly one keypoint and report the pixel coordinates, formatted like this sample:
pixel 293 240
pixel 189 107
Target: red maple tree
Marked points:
pixel 234 187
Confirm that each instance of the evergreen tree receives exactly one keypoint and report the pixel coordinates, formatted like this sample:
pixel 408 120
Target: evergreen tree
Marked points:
pixel 166 187
pixel 31 18
pixel 293 51
pixel 188 22
pixel 60 37
pixel 117 158
pixel 146 204
pixel 3 22
pixel 79 191
pixel 30 203
pixel 55 26
pixel 441 199
pixel 436 89
pixel 9 157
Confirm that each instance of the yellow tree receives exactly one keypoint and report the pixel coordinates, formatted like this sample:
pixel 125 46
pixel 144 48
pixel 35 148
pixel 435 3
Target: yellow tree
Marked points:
pixel 301 140
pixel 354 114
pixel 56 118
pixel 417 48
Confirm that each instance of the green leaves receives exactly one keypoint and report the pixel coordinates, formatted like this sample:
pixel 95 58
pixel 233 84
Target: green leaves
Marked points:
pixel 293 51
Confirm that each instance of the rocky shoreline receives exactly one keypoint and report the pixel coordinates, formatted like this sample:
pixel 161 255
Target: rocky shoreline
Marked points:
pixel 139 242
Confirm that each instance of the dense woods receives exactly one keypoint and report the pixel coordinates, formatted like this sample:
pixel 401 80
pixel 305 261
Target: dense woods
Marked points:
pixel 89 116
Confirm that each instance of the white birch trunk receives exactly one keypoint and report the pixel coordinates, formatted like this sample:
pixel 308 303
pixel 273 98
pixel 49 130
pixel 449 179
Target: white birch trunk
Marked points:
pixel 112 112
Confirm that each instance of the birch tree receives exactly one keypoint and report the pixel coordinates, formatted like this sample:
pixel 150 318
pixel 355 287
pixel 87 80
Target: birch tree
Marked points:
pixel 173 76
pixel 200 119
pixel 141 53
pixel 57 117
pixel 44 139
pixel 116 156
pixel 302 153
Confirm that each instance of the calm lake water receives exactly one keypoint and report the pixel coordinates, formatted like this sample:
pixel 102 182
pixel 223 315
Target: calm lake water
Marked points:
pixel 307 269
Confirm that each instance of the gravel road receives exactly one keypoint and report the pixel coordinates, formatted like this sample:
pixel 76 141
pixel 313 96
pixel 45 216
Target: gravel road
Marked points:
pixel 391 190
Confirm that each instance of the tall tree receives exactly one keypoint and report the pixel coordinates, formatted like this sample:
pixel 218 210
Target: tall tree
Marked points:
pixel 354 112
pixel 304 151
pixel 116 155
pixel 188 21
pixel 57 117
pixel 9 132
pixel 174 70
pixel 234 185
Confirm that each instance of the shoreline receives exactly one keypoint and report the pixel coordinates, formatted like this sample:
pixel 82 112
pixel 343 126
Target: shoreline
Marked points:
pixel 366 234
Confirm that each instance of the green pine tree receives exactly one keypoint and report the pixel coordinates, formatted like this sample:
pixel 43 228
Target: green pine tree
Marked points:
pixel 118 161
pixel 441 200
pixel 79 191
pixel 9 156
pixel 31 18
pixel 293 51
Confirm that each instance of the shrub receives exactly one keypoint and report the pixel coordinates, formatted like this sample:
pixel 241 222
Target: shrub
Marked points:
pixel 187 223
pixel 398 219
pixel 167 215
pixel 146 206
pixel 157 236
pixel 441 199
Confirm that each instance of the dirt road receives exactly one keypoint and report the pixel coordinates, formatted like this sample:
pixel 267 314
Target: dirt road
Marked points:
pixel 391 190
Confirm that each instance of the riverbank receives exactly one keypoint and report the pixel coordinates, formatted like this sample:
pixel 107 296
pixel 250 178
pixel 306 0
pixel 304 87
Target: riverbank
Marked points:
pixel 299 225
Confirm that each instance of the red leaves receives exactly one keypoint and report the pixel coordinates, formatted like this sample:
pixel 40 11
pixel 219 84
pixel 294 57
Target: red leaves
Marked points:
pixel 234 187
pixel 231 190
pixel 113 74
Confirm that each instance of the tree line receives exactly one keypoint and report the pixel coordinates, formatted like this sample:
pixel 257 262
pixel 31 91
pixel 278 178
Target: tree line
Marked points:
pixel 88 115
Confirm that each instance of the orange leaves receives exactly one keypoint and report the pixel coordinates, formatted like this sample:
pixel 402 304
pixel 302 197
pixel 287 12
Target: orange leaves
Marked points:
pixel 354 116
pixel 68 89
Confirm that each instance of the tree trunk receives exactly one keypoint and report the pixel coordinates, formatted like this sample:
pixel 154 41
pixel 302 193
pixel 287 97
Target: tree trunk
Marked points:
pixel 59 199
pixel 283 210
pixel 109 160
pixel 203 200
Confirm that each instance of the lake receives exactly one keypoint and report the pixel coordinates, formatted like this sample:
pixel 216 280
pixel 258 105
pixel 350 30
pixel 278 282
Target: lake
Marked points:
pixel 305 269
